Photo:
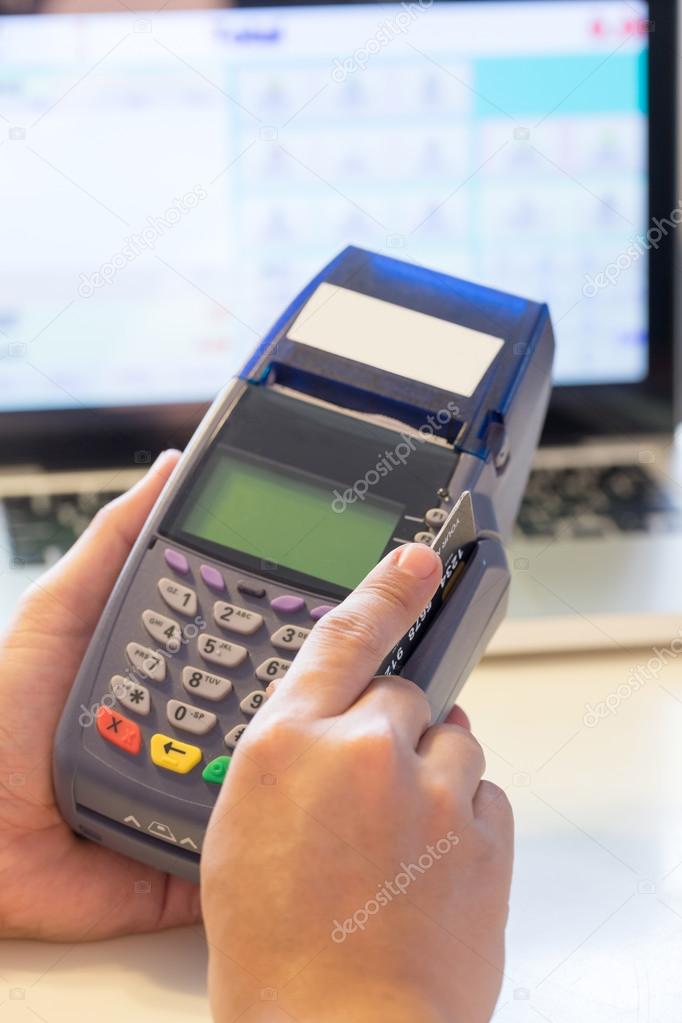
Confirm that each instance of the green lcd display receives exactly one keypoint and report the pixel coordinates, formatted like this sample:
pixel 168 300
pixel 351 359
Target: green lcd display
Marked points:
pixel 289 518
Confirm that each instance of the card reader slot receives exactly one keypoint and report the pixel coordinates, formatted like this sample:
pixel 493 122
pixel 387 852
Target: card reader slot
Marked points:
pixel 127 834
pixel 472 611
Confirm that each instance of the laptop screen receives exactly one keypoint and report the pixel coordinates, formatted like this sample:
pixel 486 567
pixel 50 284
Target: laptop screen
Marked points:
pixel 170 181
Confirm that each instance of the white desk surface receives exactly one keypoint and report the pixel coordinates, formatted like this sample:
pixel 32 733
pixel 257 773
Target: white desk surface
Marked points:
pixel 595 934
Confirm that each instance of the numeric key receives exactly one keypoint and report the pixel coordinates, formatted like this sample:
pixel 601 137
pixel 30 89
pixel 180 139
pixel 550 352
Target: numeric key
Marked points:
pixel 253 702
pixel 236 619
pixel 274 667
pixel 147 662
pixel 220 651
pixel 204 684
pixel 289 637
pixel 162 629
pixel 181 598
pixel 189 718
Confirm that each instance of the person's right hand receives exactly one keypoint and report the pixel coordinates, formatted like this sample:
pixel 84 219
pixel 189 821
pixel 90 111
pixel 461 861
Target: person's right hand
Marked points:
pixel 356 867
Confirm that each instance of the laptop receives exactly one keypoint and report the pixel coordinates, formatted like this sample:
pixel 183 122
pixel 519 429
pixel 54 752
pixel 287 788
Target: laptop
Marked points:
pixel 171 179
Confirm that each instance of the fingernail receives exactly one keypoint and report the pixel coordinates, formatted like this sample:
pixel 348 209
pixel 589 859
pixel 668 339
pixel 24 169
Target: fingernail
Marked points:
pixel 418 560
pixel 163 457
pixel 166 453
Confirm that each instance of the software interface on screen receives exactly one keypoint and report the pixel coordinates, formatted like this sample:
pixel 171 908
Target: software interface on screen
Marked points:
pixel 170 181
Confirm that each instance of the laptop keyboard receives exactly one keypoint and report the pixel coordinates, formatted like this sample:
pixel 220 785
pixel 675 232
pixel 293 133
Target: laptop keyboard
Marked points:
pixel 595 501
pixel 582 502
pixel 42 528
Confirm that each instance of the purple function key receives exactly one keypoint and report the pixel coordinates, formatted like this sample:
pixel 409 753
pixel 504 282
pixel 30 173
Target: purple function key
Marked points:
pixel 287 603
pixel 321 610
pixel 212 577
pixel 177 561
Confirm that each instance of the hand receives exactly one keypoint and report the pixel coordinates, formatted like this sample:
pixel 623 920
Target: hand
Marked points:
pixel 356 866
pixel 54 885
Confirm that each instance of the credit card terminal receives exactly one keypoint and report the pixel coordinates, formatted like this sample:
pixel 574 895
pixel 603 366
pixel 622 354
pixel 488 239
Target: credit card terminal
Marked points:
pixel 388 403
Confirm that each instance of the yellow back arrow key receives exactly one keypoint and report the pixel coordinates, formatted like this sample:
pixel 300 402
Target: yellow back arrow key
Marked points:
pixel 172 754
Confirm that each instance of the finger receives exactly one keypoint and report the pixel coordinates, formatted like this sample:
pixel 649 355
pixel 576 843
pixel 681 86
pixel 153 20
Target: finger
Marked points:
pixel 492 806
pixel 451 752
pixel 394 700
pixel 347 646
pixel 457 716
pixel 78 586
pixel 495 818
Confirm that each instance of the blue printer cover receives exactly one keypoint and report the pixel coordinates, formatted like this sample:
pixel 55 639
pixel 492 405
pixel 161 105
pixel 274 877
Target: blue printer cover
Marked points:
pixel 519 322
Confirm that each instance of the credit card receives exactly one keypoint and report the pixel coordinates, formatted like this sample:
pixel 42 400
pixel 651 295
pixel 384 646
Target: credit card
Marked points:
pixel 454 544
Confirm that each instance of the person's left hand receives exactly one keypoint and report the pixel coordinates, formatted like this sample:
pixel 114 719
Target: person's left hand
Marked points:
pixel 54 885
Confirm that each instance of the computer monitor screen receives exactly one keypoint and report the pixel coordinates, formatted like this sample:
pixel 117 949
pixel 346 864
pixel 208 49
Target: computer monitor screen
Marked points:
pixel 169 181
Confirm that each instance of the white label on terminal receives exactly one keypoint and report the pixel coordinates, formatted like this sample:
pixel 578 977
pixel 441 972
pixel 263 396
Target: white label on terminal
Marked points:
pixel 395 339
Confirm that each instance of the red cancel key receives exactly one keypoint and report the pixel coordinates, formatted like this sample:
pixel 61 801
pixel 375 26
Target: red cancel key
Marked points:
pixel 123 732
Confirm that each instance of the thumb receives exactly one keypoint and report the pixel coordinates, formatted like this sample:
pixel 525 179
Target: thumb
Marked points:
pixel 457 716
pixel 347 646
pixel 72 594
